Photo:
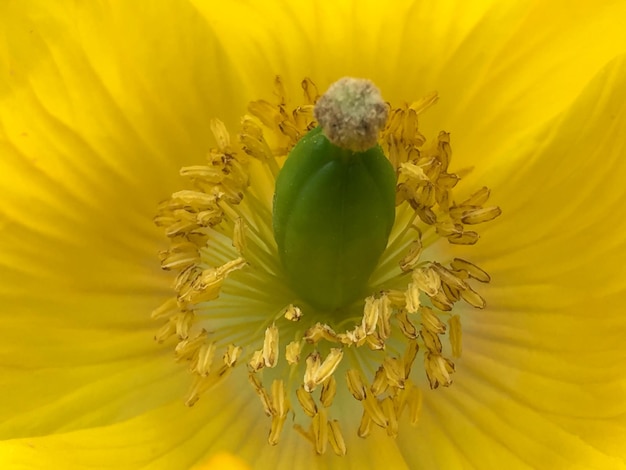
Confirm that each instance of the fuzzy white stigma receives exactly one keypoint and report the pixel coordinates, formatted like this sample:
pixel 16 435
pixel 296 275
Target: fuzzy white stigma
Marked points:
pixel 351 113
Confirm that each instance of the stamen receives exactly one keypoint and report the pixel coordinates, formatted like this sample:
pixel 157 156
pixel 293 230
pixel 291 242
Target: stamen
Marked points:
pixel 384 316
pixel 313 362
pixel 165 310
pixel 409 357
pixel 327 368
pixel 427 280
pixel 306 401
pixel 262 394
pixel 292 352
pixel 257 361
pixel 320 431
pixel 389 411
pixel 204 359
pixel 455 335
pixel 365 426
pixel 280 405
pixel 165 332
pixel 412 297
pixel 375 342
pixel 438 369
pixel 414 400
pixel 431 322
pixel 275 429
pixel 448 277
pixel 239 237
pixel 394 370
pixel 472 270
pixel 380 383
pixel 356 384
pixel 187 348
pixel 270 347
pixel 231 355
pixel 372 407
pixel 410 260
pixel 370 315
pixel 408 328
pixel 329 390
pixel 319 332
pixel 335 437
pixel 473 298
pixel 480 215
pixel 293 313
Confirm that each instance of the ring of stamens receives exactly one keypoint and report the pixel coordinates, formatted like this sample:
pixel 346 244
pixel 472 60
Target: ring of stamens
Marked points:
pixel 221 245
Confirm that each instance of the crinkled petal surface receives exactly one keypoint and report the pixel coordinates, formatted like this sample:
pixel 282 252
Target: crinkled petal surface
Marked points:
pixel 102 102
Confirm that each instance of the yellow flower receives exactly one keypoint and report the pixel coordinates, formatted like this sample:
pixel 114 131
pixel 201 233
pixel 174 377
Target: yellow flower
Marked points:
pixel 102 104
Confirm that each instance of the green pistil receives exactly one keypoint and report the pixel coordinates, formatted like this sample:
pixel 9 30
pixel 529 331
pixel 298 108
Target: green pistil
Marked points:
pixel 333 211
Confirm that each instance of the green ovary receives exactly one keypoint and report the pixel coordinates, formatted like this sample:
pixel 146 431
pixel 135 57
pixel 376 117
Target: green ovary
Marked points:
pixel 333 212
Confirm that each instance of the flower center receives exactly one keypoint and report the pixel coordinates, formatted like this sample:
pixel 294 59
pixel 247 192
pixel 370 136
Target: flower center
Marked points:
pixel 264 294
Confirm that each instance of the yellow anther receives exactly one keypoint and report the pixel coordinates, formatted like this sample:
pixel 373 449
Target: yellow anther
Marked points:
pixel 239 235
pixel 256 360
pixel 270 347
pixel 329 390
pixel 448 277
pixel 411 259
pixel 318 332
pixel 356 384
pixel 365 426
pixel 370 315
pixel 480 215
pixel 373 409
pixel 166 309
pixel 220 133
pixel 389 411
pixel 231 355
pixel 473 298
pixel 292 352
pixel 431 341
pixel 472 270
pixel 394 371
pixel 408 329
pixel 380 382
pixel 306 401
pixel 438 369
pixel 414 400
pixel 427 280
pixel 186 348
pixel 261 393
pixel 335 437
pixel 204 359
pixel 320 431
pixel 409 357
pixel 455 335
pixel 313 362
pixel 431 322
pixel 327 368
pixel 293 313
pixel 280 404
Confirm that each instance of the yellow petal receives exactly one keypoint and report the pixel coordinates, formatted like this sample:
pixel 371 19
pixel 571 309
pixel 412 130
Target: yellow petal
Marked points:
pixel 544 366
pixel 223 461
pixel 100 105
